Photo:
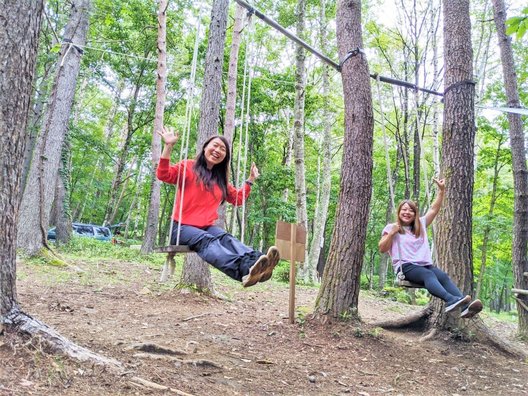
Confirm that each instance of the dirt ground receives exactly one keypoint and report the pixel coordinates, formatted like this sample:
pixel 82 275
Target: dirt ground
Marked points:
pixel 241 344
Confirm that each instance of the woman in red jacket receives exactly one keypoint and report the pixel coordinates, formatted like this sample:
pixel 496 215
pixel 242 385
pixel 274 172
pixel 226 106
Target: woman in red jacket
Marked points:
pixel 204 186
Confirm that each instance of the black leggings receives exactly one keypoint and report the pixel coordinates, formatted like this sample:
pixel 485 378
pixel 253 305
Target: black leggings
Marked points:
pixel 436 281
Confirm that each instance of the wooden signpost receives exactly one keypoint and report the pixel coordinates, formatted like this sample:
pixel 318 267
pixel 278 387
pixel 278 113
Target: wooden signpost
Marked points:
pixel 290 239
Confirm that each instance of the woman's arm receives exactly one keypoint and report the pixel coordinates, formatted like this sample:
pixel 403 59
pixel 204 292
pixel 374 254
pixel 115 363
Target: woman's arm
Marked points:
pixel 385 242
pixel 437 204
pixel 238 196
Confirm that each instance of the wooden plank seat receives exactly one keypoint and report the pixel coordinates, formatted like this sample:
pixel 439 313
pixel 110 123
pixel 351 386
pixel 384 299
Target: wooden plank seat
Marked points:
pixel 406 283
pixel 173 249
pixel 170 264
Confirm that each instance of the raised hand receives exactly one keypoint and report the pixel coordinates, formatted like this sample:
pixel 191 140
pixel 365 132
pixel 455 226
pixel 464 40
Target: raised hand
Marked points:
pixel 440 183
pixel 253 173
pixel 169 135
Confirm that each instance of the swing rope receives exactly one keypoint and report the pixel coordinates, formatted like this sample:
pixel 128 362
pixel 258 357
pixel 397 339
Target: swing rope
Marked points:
pixel 400 276
pixel 244 125
pixel 184 147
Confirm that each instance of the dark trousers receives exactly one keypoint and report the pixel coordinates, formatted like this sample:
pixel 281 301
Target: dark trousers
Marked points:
pixel 220 249
pixel 436 281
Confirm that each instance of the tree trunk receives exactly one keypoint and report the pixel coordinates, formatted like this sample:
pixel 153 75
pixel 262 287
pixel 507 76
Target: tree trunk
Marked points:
pixel 232 74
pixel 155 186
pixel 520 172
pixel 230 116
pixel 321 212
pixel 454 222
pixel 63 221
pixel 41 95
pixel 40 188
pixel 195 270
pixel 298 126
pixel 339 291
pixel 19 33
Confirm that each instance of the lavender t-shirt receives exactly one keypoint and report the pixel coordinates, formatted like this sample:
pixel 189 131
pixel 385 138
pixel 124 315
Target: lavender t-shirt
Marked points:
pixel 413 250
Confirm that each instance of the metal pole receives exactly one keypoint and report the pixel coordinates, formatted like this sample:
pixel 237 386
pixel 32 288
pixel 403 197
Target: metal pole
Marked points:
pixel 288 34
pixel 324 58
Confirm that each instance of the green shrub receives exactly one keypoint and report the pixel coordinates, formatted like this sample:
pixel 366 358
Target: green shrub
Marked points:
pixel 282 271
pixel 365 283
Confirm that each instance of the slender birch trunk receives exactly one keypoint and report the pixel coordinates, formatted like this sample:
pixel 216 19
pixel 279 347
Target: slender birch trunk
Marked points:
pixel 298 126
pixel 149 239
pixel 323 202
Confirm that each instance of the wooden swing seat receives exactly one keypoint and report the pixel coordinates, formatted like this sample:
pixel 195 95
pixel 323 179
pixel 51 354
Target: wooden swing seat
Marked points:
pixel 168 267
pixel 173 249
pixel 406 283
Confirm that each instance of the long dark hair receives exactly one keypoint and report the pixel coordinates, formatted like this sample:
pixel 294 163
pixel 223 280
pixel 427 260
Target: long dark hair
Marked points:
pixel 416 227
pixel 219 173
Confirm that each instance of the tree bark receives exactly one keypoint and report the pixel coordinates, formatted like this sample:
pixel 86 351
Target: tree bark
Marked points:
pixel 195 270
pixel 520 172
pixel 298 126
pixel 40 188
pixel 19 32
pixel 321 212
pixel 149 240
pixel 63 220
pixel 454 222
pixel 338 295
pixel 232 74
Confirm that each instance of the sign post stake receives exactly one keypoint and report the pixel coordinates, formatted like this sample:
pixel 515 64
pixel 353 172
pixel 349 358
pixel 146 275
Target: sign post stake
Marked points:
pixel 293 239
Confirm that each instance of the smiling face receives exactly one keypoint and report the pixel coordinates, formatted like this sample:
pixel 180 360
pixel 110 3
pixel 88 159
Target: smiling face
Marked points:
pixel 214 152
pixel 406 214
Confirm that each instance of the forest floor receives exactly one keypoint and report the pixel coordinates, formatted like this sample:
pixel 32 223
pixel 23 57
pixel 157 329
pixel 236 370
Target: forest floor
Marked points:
pixel 241 344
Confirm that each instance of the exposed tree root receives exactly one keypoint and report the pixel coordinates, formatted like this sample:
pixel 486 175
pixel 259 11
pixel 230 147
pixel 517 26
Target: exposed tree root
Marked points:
pixel 485 336
pixel 474 328
pixel 153 385
pixel 416 320
pixel 19 322
pixel 26 326
pixel 156 349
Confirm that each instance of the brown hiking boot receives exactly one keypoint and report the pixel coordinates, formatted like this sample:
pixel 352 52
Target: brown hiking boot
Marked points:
pixel 273 258
pixel 255 272
pixel 472 309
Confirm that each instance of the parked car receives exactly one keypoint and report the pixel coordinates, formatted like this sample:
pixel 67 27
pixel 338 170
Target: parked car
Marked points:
pixel 86 230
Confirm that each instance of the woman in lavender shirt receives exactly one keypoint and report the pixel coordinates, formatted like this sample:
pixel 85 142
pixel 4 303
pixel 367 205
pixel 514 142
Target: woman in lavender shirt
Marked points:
pixel 406 242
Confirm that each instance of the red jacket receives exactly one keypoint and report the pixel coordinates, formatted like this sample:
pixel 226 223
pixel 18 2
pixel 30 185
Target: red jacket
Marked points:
pixel 200 205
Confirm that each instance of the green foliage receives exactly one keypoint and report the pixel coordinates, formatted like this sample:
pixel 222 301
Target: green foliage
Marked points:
pixel 518 24
pixel 365 281
pixel 281 272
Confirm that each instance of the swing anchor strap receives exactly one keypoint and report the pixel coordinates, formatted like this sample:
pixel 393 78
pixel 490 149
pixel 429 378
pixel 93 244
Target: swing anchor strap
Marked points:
pixel 349 55
pixel 457 84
